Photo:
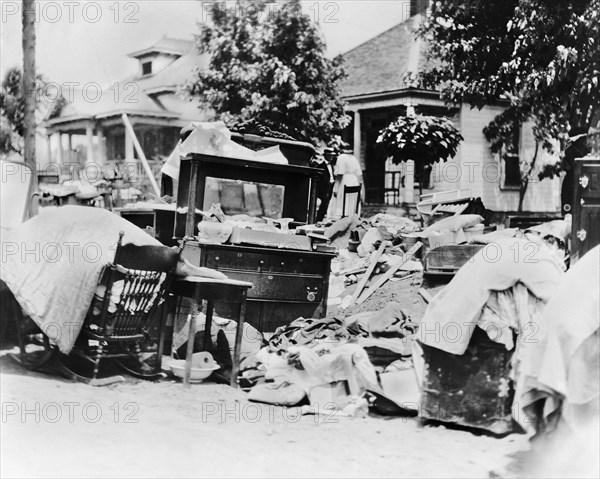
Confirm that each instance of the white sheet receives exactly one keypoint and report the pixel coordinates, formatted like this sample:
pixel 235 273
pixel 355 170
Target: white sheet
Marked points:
pixel 52 262
pixel 453 313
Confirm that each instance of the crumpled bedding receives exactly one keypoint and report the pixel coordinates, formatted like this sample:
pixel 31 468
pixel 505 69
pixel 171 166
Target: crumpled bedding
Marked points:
pixel 560 370
pixel 453 313
pixel 52 263
pixel 308 353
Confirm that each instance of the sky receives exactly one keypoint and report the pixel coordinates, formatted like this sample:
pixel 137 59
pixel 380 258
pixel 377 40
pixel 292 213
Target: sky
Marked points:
pixel 88 41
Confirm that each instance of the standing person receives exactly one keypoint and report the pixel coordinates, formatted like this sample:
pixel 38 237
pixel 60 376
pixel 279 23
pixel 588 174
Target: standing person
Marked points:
pixel 347 172
pixel 325 183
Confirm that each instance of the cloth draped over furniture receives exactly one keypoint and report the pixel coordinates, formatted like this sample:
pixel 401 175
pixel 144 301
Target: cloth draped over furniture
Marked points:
pixel 476 331
pixel 558 384
pixel 52 263
pixel 497 267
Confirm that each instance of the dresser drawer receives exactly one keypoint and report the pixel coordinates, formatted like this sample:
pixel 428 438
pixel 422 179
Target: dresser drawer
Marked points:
pixel 284 287
pixel 276 262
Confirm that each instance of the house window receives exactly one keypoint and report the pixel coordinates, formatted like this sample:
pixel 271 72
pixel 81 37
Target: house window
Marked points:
pixel 510 177
pixel 147 68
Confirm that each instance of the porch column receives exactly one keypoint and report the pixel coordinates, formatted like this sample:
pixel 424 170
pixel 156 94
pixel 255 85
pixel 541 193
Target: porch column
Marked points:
pixel 101 146
pixel 357 139
pixel 59 150
pixel 409 182
pixel 89 134
pixel 128 146
pixel 69 150
pixel 49 148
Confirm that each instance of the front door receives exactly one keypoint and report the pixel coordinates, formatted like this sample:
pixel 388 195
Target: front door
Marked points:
pixel 374 162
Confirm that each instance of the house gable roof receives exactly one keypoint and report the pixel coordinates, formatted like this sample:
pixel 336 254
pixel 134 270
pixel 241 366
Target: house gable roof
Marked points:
pixel 137 94
pixel 168 45
pixel 379 64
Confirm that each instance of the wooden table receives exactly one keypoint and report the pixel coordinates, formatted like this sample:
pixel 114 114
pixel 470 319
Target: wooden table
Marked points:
pixel 212 290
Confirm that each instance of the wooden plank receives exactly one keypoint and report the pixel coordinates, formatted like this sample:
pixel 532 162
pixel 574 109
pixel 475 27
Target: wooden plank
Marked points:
pixel 141 154
pixel 390 272
pixel 425 295
pixel 374 258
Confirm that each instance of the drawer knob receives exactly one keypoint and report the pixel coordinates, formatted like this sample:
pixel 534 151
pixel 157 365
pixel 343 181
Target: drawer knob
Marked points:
pixel 216 258
pixel 311 296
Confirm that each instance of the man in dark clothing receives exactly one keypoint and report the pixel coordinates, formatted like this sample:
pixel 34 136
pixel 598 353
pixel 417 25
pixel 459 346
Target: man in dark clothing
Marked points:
pixel 325 182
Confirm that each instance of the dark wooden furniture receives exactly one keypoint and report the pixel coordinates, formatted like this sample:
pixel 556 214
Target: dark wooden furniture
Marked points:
pixel 119 320
pixel 473 389
pixel 586 207
pixel 156 221
pixel 287 283
pixel 213 290
pixel 448 259
pixel 299 200
pixel 351 200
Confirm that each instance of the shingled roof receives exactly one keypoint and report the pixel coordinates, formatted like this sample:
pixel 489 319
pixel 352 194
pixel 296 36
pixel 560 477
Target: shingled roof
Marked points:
pixel 378 65
pixel 172 46
pixel 153 95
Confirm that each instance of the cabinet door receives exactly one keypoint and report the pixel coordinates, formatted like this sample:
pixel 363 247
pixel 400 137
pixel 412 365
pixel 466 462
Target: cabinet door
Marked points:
pixel 586 208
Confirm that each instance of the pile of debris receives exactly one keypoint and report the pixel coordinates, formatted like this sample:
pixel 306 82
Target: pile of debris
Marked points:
pixel 332 366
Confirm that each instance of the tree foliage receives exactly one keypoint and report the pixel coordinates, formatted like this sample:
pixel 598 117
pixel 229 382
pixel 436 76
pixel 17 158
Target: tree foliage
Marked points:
pixel 424 139
pixel 12 110
pixel 539 58
pixel 270 65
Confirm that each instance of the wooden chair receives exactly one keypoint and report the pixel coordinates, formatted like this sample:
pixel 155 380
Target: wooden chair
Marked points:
pixel 351 202
pixel 120 317
pixel 118 322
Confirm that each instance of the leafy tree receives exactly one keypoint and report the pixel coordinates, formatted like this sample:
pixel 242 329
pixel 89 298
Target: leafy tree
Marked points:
pixel 423 139
pixel 12 110
pixel 270 65
pixel 539 58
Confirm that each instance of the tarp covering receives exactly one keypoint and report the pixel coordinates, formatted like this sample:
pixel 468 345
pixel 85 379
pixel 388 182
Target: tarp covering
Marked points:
pixel 52 262
pixel 560 370
pixel 453 313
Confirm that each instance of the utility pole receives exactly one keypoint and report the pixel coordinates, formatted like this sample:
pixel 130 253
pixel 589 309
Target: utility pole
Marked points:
pixel 29 83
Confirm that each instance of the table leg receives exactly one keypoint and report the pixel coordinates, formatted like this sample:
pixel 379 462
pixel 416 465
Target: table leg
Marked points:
pixel 207 342
pixel 235 367
pixel 190 344
pixel 164 312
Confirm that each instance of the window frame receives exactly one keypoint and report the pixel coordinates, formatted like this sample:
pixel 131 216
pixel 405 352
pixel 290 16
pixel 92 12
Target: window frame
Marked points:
pixel 144 65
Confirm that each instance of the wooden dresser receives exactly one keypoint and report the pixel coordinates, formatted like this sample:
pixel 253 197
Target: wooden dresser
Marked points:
pixel 287 283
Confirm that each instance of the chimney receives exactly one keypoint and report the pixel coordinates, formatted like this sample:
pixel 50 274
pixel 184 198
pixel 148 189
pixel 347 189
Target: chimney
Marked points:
pixel 418 7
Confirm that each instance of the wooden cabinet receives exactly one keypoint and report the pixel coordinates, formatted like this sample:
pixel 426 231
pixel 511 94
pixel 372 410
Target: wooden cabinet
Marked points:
pixel 287 284
pixel 586 207
pixel 158 222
